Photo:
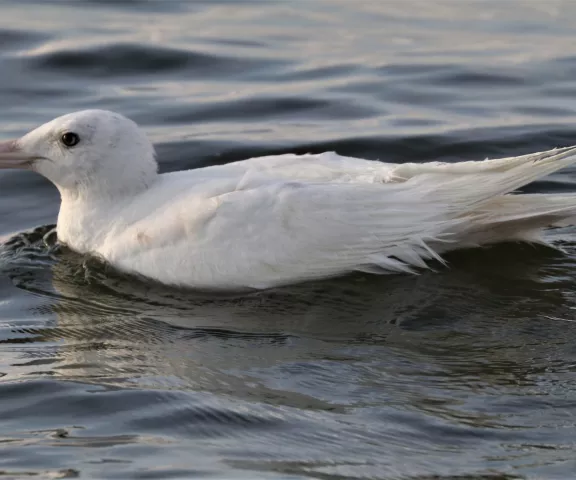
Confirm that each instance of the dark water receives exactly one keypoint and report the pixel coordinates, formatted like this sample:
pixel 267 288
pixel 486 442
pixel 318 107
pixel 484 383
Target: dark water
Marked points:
pixel 466 373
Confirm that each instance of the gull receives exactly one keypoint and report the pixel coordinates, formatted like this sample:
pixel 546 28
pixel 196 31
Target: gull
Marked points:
pixel 276 220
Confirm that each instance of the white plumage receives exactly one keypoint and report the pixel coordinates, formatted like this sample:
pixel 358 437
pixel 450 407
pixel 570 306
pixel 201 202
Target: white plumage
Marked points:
pixel 276 220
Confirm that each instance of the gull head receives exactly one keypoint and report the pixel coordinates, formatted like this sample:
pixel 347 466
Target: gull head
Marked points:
pixel 84 153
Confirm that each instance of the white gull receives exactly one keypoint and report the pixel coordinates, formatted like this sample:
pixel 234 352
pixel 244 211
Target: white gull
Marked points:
pixel 275 220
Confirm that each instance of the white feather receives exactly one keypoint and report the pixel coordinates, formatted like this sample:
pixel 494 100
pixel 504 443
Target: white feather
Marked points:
pixel 281 219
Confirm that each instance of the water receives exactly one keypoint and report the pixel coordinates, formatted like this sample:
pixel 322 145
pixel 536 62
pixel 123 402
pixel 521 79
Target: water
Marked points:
pixel 463 373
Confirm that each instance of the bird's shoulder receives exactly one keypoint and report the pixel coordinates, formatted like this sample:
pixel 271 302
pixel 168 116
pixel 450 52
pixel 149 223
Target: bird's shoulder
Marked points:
pixel 328 167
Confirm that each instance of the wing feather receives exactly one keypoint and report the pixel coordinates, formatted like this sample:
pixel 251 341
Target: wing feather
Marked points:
pixel 265 233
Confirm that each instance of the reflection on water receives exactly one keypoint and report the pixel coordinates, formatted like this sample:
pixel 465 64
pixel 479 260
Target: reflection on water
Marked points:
pixel 365 370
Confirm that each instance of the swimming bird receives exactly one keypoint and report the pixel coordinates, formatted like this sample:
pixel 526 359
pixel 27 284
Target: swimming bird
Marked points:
pixel 275 220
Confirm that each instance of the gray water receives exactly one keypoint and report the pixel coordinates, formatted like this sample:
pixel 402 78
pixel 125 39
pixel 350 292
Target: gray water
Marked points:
pixel 467 372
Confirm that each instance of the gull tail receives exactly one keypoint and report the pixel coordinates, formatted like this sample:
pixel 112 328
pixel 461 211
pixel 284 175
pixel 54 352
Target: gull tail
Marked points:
pixel 434 208
pixel 490 212
pixel 519 218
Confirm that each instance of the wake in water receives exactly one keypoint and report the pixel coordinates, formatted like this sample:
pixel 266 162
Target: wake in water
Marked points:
pixel 38 246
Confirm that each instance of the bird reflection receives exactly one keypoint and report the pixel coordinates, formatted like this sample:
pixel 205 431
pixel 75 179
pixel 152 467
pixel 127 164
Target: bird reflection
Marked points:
pixel 479 318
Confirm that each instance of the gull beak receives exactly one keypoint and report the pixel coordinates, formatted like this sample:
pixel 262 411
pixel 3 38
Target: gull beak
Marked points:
pixel 12 157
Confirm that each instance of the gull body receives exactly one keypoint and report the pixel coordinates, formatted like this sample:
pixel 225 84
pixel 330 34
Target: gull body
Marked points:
pixel 275 220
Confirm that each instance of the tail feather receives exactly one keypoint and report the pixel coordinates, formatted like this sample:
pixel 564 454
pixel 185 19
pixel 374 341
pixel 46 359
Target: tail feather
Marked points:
pixel 467 191
pixel 479 194
pixel 549 207
pixel 407 171
pixel 518 218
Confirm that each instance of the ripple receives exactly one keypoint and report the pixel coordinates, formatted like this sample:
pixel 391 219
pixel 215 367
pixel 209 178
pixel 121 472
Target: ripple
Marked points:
pixel 261 109
pixel 118 60
pixel 473 79
pixel 12 40
pixel 128 5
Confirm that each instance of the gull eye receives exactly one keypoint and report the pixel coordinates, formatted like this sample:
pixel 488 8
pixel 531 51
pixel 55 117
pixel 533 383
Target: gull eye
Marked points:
pixel 70 139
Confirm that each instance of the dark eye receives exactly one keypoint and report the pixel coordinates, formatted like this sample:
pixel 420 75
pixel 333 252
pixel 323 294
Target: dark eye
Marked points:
pixel 70 139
